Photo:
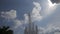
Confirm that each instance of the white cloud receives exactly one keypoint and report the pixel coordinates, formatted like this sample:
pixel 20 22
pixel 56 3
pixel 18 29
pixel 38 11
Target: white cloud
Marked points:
pixel 26 18
pixel 21 22
pixel 55 19
pixel 36 12
pixel 50 29
pixel 9 14
pixel 35 16
pixel 17 23
pixel 53 27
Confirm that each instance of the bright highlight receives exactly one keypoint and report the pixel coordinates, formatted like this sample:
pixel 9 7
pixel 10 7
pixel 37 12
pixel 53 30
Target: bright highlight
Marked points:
pixel 51 4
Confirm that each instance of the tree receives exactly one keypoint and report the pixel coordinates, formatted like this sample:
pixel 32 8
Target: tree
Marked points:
pixel 5 30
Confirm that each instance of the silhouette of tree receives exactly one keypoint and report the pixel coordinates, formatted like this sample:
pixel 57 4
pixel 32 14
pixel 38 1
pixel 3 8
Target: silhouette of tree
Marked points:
pixel 5 30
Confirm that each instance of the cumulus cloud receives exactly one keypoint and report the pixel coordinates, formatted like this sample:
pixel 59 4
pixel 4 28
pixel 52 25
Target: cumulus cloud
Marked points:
pixel 35 15
pixel 36 12
pixel 12 16
pixel 9 14
pixel 49 30
pixel 55 19
pixel 17 23
pixel 53 26
pixel 26 18
pixel 53 29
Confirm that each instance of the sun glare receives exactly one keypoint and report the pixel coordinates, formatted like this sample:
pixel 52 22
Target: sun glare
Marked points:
pixel 51 4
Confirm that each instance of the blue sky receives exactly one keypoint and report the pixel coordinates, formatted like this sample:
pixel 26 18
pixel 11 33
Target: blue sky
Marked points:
pixel 14 13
